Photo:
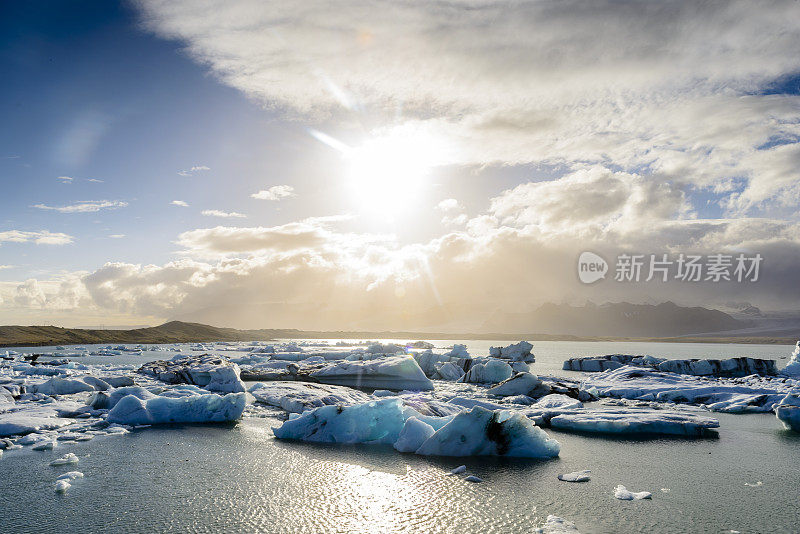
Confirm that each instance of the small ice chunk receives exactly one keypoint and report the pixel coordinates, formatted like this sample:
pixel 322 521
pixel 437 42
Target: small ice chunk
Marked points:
pixel 575 476
pixel 62 486
pixel 757 484
pixel 624 495
pixel 458 470
pixel 71 475
pixel 557 525
pixel 69 458
pixel 44 445
pixel 664 490
pixel 473 478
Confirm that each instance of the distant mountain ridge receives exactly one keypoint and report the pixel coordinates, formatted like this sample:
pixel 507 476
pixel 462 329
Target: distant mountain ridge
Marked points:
pixel 617 320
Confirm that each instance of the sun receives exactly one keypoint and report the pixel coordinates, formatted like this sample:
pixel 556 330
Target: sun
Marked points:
pixel 392 169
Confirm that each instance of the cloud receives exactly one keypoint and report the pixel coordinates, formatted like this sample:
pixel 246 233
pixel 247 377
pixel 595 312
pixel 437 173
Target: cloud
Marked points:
pixel 193 170
pixel 95 180
pixel 179 203
pixel 43 237
pixel 3 267
pixel 84 206
pixel 276 192
pixel 116 236
pixel 678 91
pixel 65 179
pixel 227 214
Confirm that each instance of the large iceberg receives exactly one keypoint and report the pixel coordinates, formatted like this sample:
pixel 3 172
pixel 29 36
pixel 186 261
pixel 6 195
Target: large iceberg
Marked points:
pixel 481 432
pixel 491 371
pixel 379 421
pixel 297 397
pixel 477 432
pixel 750 394
pixel 520 352
pixel 192 408
pixel 392 372
pixel 635 421
pixel 731 367
pixel 214 373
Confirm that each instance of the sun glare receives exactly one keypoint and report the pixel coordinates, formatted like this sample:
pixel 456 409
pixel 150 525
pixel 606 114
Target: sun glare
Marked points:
pixel 392 169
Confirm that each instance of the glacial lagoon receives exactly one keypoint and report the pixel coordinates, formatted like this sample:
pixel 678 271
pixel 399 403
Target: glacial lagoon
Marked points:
pixel 236 477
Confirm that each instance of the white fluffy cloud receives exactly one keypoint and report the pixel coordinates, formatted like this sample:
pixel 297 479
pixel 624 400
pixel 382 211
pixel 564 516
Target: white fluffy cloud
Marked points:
pixel 85 206
pixel 180 203
pixel 224 214
pixel 44 237
pixel 275 193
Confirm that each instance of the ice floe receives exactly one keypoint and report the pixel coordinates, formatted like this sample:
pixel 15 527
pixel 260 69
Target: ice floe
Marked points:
pixel 192 408
pixel 575 476
pixel 556 525
pixel 67 459
pixel 731 367
pixel 621 493
pixel 635 421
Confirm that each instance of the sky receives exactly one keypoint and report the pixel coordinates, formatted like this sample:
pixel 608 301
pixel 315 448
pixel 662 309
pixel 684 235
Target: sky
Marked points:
pixel 426 165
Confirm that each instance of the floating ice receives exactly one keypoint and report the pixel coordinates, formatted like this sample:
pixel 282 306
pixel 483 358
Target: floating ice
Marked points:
pixel 62 486
pixel 62 386
pixel 624 495
pixel 458 470
pixel 635 421
pixel 520 384
pixel 575 476
pixel 481 432
pixel 788 411
pixel 71 475
pixel 215 373
pixel 490 372
pixel 473 478
pixel 557 525
pixel 44 445
pixel 516 352
pixel 208 408
pixel 731 367
pixel 413 435
pixel 793 367
pixel 379 421
pixel 69 458
pixel 735 395
pixel 392 372
pixel 297 397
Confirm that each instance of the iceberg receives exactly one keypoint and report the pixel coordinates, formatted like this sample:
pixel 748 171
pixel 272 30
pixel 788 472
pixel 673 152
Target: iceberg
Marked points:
pixel 297 397
pixel 750 394
pixel 413 435
pixel 214 373
pixel 788 411
pixel 576 476
pixel 624 495
pixel 557 525
pixel 520 352
pixel 69 458
pixel 490 372
pixel 793 367
pixel 61 486
pixel 62 386
pixel 481 432
pixel 379 421
pixel 731 367
pixel 71 475
pixel 520 384
pixel 391 372
pixel 207 408
pixel 635 421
